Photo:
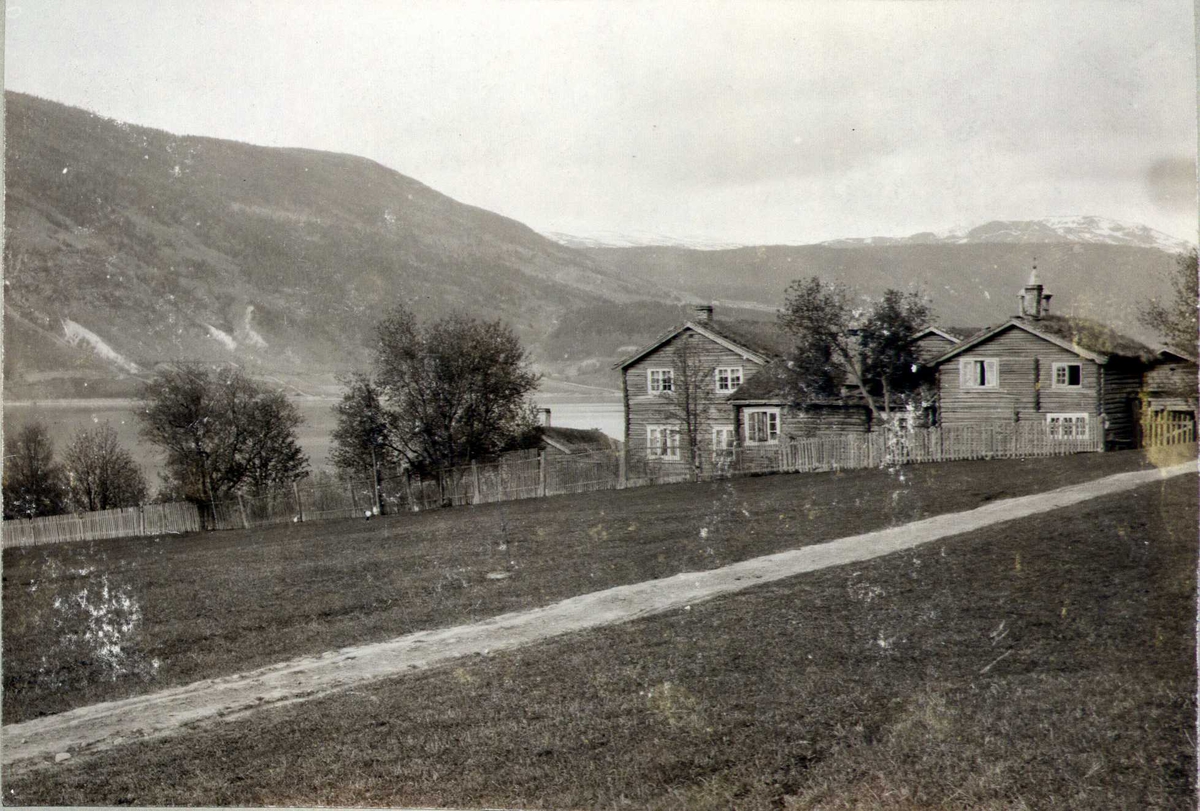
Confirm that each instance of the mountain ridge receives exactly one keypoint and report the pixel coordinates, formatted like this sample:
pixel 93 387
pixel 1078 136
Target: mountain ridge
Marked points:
pixel 127 247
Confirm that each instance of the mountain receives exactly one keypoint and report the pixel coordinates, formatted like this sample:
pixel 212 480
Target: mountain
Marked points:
pixel 128 246
pixel 968 283
pixel 1082 229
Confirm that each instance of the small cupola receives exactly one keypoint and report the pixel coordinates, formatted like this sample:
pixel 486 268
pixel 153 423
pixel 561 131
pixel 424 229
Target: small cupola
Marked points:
pixel 703 313
pixel 1034 301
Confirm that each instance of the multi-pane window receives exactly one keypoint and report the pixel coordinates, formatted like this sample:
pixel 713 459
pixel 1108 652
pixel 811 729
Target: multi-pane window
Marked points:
pixel 762 425
pixel 1068 375
pixel 662 442
pixel 661 380
pixel 729 378
pixel 982 373
pixel 722 440
pixel 1068 426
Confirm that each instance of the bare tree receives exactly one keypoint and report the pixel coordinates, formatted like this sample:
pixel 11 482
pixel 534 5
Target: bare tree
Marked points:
pixel 692 395
pixel 101 475
pixel 33 481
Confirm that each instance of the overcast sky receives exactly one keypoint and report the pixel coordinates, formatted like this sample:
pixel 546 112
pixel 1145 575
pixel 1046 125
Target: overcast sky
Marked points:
pixel 733 122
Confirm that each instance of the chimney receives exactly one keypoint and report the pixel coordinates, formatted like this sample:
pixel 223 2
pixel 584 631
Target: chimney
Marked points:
pixel 704 313
pixel 545 414
pixel 1034 301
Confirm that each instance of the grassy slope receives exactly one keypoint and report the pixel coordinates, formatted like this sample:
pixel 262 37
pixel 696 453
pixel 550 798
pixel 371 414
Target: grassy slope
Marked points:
pixel 206 605
pixel 1044 663
pixel 145 237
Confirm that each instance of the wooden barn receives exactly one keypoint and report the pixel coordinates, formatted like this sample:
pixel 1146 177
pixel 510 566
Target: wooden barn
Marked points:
pixel 1075 375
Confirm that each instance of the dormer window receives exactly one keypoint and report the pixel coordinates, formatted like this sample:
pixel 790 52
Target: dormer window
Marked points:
pixel 1068 375
pixel 729 378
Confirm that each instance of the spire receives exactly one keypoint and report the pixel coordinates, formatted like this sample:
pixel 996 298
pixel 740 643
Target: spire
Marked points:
pixel 1034 301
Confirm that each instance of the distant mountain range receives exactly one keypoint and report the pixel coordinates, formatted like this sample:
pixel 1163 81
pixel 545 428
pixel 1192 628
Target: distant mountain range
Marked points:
pixel 127 247
pixel 1048 230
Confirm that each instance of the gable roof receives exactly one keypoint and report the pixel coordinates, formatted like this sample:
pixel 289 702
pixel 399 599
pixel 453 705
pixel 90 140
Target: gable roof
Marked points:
pixel 759 341
pixel 1167 353
pixel 952 334
pixel 1083 336
pixel 577 440
pixel 770 385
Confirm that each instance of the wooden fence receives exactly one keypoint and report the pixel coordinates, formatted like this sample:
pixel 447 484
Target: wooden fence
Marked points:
pixel 533 474
pixel 151 519
pixel 1163 428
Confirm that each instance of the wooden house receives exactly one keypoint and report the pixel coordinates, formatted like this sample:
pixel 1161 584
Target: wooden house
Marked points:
pixel 933 342
pixel 1075 375
pixel 765 412
pixel 688 374
pixel 1170 384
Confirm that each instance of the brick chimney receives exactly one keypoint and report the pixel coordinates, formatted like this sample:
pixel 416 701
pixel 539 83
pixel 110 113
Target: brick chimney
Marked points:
pixel 703 313
pixel 545 415
pixel 1035 302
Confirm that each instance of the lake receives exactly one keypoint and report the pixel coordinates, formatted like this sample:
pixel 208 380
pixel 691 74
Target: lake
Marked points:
pixel 65 417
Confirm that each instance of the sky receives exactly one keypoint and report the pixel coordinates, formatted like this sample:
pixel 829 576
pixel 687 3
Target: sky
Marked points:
pixel 744 123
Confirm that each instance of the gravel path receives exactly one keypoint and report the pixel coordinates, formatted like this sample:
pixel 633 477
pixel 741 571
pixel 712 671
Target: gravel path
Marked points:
pixel 86 730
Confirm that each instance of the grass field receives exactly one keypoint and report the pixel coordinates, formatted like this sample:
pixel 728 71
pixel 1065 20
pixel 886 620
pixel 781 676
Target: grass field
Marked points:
pixel 1043 663
pixel 94 621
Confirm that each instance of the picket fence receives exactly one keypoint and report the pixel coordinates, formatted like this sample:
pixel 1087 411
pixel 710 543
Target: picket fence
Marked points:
pixel 534 474
pixel 150 519
pixel 1165 428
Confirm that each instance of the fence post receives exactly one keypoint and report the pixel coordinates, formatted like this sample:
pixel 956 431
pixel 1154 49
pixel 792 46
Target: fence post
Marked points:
pixel 242 507
pixel 299 503
pixel 621 471
pixel 541 473
pixel 141 519
pixel 475 478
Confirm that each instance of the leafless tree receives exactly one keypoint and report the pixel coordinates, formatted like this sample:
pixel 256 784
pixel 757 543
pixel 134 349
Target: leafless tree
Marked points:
pixel 692 396
pixel 101 475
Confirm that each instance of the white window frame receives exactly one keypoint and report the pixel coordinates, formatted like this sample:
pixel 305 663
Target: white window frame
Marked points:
pixel 664 375
pixel 730 439
pixel 654 441
pixel 772 435
pixel 733 378
pixel 1066 370
pixel 967 368
pixel 1057 421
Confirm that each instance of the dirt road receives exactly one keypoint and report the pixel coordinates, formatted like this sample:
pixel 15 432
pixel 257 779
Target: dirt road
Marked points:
pixel 43 741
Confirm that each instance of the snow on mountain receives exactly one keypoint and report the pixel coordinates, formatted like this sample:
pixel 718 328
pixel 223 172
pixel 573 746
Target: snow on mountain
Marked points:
pixel 1067 228
pixel 637 239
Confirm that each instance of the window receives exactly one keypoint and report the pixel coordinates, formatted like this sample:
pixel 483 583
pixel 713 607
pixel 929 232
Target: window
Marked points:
pixel 662 442
pixel 762 426
pixel 979 374
pixel 729 378
pixel 722 440
pixel 661 380
pixel 1068 375
pixel 1068 426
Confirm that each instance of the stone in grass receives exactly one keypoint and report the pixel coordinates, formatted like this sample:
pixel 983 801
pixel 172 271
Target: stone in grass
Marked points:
pixel 61 756
pixel 498 575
